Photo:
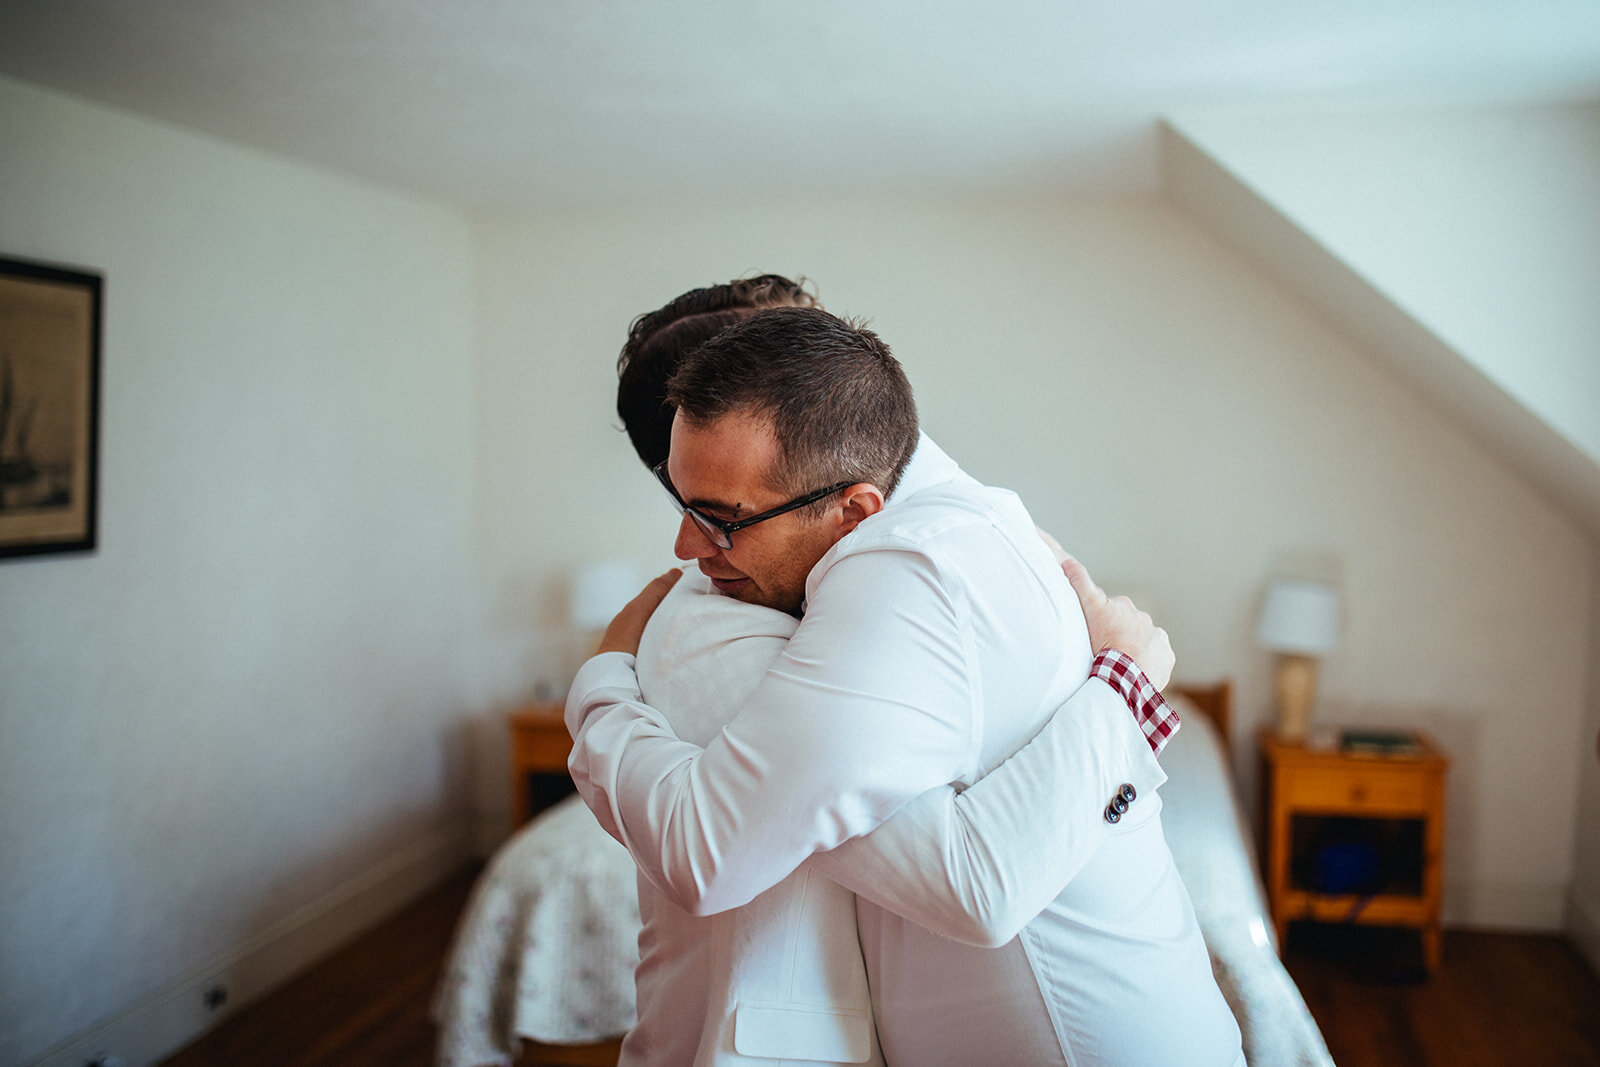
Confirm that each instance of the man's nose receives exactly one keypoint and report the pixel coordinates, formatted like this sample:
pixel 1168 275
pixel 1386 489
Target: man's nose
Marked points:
pixel 692 543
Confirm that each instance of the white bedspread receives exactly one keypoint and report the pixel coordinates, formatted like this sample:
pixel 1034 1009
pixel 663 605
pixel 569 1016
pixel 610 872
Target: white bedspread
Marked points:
pixel 547 945
pixel 1212 848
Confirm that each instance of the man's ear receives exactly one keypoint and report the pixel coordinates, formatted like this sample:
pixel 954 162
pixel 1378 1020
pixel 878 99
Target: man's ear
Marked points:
pixel 859 501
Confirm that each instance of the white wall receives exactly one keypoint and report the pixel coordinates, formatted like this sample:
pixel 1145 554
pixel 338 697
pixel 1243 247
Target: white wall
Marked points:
pixel 232 732
pixel 1484 226
pixel 1186 425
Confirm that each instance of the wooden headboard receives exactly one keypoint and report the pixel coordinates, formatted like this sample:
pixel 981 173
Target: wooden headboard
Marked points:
pixel 1215 701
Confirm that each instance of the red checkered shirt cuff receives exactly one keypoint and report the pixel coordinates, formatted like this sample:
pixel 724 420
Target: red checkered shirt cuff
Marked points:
pixel 1154 715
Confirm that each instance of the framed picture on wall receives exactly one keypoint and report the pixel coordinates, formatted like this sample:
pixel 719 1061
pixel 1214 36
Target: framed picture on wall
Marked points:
pixel 49 407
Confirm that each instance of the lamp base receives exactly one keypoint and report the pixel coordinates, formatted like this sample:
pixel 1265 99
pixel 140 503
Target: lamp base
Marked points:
pixel 1295 686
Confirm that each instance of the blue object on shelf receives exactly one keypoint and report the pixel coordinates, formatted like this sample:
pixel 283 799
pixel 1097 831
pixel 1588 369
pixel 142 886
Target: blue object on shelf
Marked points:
pixel 1346 867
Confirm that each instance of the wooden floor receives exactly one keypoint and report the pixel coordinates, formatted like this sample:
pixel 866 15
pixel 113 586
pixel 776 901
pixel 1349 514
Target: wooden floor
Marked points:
pixel 1497 999
pixel 367 1004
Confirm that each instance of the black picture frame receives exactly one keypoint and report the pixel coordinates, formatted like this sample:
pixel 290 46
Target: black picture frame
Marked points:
pixel 49 408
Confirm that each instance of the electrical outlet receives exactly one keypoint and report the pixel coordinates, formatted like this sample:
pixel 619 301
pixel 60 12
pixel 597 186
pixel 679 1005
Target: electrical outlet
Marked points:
pixel 215 997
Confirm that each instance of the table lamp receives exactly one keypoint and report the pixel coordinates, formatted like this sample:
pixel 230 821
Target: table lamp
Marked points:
pixel 1299 621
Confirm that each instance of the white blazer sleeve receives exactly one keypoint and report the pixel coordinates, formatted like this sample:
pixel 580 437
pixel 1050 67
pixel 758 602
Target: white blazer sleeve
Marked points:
pixel 977 866
pixel 868 706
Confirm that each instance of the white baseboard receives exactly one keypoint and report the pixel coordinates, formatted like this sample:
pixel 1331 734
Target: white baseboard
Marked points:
pixel 1519 906
pixel 158 1025
pixel 1583 927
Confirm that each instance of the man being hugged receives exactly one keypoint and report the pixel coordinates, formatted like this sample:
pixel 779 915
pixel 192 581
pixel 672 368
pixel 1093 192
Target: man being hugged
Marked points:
pixel 937 636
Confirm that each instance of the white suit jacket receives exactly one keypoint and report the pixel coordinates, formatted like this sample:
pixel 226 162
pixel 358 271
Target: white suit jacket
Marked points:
pixel 781 977
pixel 904 683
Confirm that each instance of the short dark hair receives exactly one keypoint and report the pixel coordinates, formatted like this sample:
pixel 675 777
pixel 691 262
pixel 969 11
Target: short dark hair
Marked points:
pixel 658 341
pixel 839 402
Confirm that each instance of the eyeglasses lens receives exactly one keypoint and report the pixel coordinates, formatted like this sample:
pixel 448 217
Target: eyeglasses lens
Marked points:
pixel 714 534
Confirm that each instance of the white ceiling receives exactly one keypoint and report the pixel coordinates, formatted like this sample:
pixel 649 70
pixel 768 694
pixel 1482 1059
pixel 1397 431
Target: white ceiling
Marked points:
pixel 520 101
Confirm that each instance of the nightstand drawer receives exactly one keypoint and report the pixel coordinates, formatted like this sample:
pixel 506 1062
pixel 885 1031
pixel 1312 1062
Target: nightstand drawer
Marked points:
pixel 545 749
pixel 1354 789
pixel 539 750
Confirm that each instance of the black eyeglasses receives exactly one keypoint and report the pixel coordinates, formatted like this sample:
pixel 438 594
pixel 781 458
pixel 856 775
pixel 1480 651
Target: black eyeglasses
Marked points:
pixel 721 533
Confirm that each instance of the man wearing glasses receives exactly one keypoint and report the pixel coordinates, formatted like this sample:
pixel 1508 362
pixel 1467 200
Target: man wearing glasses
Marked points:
pixel 936 637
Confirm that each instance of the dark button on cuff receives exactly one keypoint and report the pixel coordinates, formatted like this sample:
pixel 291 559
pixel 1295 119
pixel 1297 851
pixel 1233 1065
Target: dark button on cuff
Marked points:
pixel 1112 814
pixel 1127 792
pixel 1119 804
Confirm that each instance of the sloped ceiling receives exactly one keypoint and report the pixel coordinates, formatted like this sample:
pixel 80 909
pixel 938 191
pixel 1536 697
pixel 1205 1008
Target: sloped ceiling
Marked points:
pixel 1472 276
pixel 512 102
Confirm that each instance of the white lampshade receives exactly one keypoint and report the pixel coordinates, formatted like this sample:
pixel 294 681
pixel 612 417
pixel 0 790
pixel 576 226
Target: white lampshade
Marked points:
pixel 599 591
pixel 1300 617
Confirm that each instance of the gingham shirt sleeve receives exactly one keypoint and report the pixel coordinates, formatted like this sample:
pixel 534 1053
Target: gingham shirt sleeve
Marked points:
pixel 1155 716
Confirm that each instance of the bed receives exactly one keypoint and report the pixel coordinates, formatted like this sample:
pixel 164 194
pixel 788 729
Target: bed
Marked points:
pixel 542 963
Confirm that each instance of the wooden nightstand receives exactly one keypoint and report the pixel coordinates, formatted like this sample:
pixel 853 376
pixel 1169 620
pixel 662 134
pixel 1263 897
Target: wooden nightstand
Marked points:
pixel 1335 816
pixel 539 747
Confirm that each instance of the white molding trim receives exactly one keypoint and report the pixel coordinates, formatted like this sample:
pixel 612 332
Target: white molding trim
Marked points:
pixel 155 1026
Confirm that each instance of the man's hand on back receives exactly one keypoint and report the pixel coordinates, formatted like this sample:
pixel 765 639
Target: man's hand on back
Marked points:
pixel 625 630
pixel 1114 622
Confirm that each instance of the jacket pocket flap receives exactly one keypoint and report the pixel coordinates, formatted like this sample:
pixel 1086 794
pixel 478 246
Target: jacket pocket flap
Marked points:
pixel 787 1032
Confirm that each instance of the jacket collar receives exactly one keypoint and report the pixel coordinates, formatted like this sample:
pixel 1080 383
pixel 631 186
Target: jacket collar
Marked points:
pixel 929 466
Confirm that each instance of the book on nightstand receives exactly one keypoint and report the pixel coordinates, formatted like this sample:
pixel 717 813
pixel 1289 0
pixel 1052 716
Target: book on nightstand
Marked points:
pixel 1380 743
